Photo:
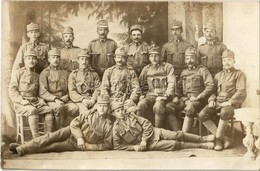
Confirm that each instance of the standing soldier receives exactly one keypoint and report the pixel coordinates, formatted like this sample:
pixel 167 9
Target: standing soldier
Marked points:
pixel 160 79
pixel 23 91
pixel 137 51
pixel 34 44
pixel 230 94
pixel 102 49
pixel 120 81
pixel 211 51
pixel 84 83
pixel 88 132
pixel 54 89
pixel 134 133
pixel 69 52
pixel 197 84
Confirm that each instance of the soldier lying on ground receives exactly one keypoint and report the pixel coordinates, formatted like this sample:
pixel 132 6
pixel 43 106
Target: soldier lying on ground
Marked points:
pixel 91 131
pixel 134 133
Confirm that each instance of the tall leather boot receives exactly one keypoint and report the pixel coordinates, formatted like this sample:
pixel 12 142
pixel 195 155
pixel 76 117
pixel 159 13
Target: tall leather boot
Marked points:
pixel 159 121
pixel 57 122
pixel 221 130
pixel 173 122
pixel 187 124
pixel 211 126
pixel 33 124
pixel 187 137
pixel 48 123
pixel 185 145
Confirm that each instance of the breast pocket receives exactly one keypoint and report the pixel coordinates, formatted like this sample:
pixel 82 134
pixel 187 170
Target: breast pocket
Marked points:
pixel 128 137
pixel 169 57
pixel 180 57
pixel 95 59
pixel 217 61
pixel 53 84
pixel 110 58
pixel 197 81
pixel 94 136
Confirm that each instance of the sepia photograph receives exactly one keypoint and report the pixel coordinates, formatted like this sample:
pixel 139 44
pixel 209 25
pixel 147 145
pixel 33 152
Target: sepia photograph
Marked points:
pixel 130 85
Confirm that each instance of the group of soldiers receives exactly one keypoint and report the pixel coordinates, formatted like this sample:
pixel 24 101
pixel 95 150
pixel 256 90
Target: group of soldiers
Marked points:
pixel 128 97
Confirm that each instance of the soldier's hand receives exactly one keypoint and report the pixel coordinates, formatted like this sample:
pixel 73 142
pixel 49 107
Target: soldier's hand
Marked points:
pixel 59 101
pixel 161 98
pixel 175 100
pixel 85 102
pixel 90 103
pixel 192 99
pixel 81 144
pixel 65 98
pixel 137 148
pixel 141 97
pixel 212 104
pixel 143 145
pixel 225 104
pixel 41 102
pixel 25 102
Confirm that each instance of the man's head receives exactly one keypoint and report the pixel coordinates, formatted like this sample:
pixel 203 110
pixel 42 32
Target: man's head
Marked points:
pixel 33 31
pixel 117 109
pixel 68 35
pixel 103 105
pixel 54 57
pixel 228 59
pixel 30 59
pixel 136 32
pixel 84 59
pixel 102 29
pixel 191 57
pixel 176 29
pixel 154 55
pixel 120 56
pixel 209 31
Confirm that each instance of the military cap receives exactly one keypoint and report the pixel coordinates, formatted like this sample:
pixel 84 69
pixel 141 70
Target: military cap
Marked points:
pixel 103 99
pixel 83 53
pixel 29 53
pixel 68 30
pixel 228 54
pixel 136 27
pixel 102 23
pixel 190 51
pixel 209 25
pixel 154 49
pixel 116 104
pixel 54 52
pixel 176 24
pixel 32 26
pixel 121 51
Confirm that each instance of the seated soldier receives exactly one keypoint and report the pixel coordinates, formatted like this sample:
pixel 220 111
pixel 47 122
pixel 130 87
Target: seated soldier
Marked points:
pixel 54 89
pixel 134 133
pixel 23 90
pixel 84 83
pixel 90 131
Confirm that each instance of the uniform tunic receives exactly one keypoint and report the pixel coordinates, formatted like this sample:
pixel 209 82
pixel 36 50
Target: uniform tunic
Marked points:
pixel 138 56
pixel 102 53
pixel 41 50
pixel 69 57
pixel 119 81
pixel 94 129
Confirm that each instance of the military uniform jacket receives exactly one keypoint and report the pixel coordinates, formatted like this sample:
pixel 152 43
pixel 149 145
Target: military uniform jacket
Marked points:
pixel 173 52
pixel 102 53
pixel 138 56
pixel 159 80
pixel 83 84
pixel 24 84
pixel 119 81
pixel 53 84
pixel 230 86
pixel 41 50
pixel 94 129
pixel 197 82
pixel 210 55
pixel 69 56
pixel 131 131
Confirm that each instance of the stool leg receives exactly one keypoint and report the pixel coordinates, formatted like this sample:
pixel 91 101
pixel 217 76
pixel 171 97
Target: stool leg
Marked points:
pixel 17 128
pixel 232 129
pixel 200 128
pixel 22 130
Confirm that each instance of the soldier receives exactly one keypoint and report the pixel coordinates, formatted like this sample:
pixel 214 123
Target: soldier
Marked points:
pixel 210 52
pixel 120 81
pixel 84 83
pixel 137 51
pixel 69 52
pixel 54 89
pixel 134 133
pixel 160 79
pixel 230 94
pixel 34 44
pixel 102 49
pixel 23 91
pixel 197 84
pixel 91 131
